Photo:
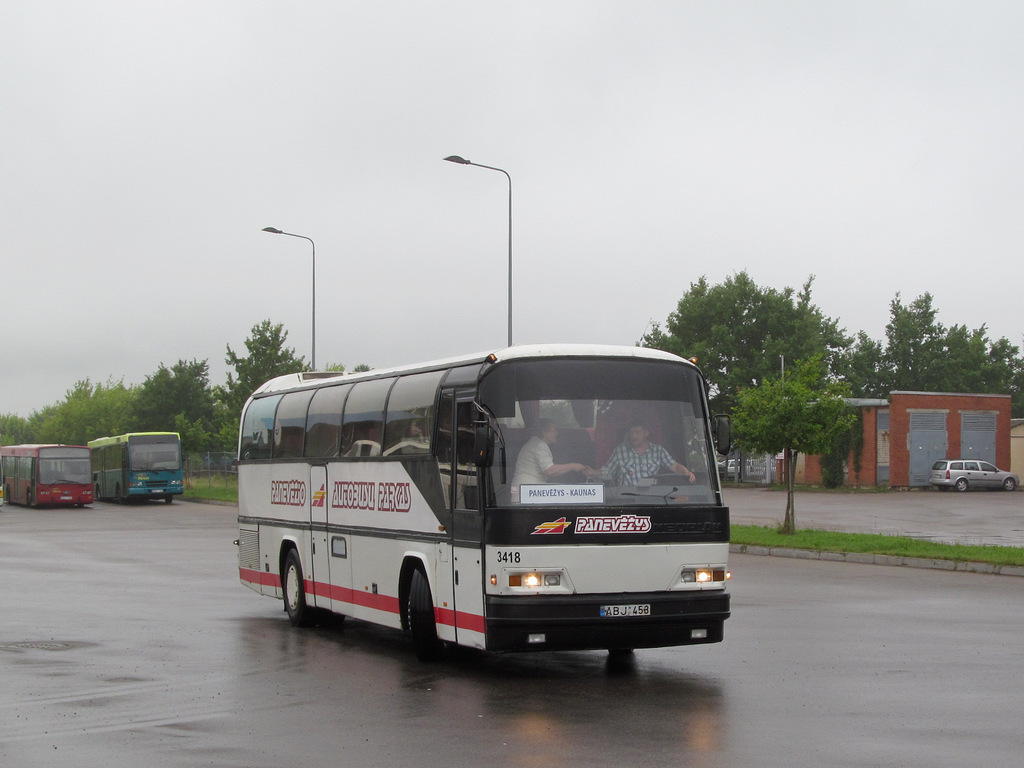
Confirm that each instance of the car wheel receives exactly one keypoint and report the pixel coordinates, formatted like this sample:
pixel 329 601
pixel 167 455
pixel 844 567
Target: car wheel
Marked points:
pixel 961 484
pixel 1009 484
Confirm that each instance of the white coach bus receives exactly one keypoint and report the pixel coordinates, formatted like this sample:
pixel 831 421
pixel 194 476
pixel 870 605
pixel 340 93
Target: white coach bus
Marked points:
pixel 411 498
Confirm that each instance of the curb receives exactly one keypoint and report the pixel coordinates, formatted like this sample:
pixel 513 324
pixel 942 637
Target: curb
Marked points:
pixel 215 502
pixel 867 559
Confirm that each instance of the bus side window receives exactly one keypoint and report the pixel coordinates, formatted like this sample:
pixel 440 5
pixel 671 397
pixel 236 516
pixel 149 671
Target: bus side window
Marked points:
pixel 466 488
pixel 323 422
pixel 363 422
pixel 443 445
pixel 290 424
pixel 258 428
pixel 410 414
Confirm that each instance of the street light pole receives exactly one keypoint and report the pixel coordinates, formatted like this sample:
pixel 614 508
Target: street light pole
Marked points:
pixel 275 231
pixel 463 161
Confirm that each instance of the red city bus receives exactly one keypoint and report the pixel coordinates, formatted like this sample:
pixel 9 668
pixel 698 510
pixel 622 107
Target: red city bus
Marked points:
pixel 46 474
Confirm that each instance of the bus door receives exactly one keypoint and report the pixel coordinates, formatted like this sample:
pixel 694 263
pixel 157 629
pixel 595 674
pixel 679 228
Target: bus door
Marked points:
pixel 334 555
pixel 319 545
pixel 463 494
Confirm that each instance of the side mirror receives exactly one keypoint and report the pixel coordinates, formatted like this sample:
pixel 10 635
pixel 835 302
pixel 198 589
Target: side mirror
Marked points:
pixel 483 446
pixel 722 427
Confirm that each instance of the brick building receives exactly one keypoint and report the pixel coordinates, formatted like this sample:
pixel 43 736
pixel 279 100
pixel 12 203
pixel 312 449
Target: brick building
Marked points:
pixel 904 435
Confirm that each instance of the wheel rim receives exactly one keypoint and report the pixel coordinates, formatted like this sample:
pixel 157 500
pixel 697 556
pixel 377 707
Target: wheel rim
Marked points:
pixel 961 484
pixel 291 587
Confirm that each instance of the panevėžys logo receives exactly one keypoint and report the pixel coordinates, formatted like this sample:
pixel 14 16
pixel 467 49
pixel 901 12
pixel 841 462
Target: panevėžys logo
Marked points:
pixel 601 524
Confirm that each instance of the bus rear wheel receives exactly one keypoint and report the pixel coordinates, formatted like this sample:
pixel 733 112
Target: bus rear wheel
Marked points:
pixel 294 590
pixel 420 618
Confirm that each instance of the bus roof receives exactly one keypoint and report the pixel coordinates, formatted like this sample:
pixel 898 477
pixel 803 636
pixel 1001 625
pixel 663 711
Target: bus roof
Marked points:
pixel 291 381
pixel 124 438
pixel 28 448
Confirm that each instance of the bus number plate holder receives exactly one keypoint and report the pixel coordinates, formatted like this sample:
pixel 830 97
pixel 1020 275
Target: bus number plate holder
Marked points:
pixel 625 611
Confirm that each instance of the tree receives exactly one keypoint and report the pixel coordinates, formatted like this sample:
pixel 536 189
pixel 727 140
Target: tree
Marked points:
pixel 862 366
pixel 87 412
pixel 340 368
pixel 921 354
pixel 740 333
pixel 268 357
pixel 14 430
pixel 913 357
pixel 801 411
pixel 176 395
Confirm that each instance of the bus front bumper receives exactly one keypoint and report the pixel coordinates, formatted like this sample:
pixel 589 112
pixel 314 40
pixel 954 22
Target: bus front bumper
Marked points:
pixel 575 622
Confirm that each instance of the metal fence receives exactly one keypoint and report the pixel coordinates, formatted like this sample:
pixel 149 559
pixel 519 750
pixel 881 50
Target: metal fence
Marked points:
pixel 212 468
pixel 748 468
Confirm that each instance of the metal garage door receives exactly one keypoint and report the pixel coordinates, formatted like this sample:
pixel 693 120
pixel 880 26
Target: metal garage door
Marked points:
pixel 978 435
pixel 927 443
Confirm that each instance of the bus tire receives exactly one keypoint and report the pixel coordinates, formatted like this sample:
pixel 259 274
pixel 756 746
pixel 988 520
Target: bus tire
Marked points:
pixel 420 618
pixel 293 587
pixel 168 499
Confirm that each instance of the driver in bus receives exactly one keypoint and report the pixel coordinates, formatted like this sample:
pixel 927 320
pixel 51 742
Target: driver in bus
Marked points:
pixel 636 457
pixel 535 464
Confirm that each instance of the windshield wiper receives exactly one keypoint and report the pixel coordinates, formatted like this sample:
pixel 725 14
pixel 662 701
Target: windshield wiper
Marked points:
pixel 663 497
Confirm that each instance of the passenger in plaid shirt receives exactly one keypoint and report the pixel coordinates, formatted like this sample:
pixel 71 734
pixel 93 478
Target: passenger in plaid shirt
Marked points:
pixel 637 457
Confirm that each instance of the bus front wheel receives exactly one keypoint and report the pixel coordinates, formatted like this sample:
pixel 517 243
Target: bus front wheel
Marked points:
pixel 294 590
pixel 420 618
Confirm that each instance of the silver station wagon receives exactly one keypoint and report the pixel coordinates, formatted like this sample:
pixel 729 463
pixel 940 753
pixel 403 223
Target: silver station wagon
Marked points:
pixel 965 474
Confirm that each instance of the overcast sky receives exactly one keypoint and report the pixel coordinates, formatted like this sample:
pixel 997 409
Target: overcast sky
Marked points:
pixel 144 146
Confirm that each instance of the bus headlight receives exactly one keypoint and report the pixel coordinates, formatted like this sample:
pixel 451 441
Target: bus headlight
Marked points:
pixel 535 580
pixel 702 576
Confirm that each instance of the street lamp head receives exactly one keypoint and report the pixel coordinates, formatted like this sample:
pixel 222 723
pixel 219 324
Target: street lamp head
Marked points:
pixel 273 230
pixel 457 159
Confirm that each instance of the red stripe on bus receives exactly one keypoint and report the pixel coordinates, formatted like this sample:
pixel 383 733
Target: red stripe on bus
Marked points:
pixel 388 604
pixel 444 616
pixel 259 577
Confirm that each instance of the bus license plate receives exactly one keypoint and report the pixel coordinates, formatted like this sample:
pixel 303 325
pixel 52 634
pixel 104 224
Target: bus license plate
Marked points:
pixel 618 611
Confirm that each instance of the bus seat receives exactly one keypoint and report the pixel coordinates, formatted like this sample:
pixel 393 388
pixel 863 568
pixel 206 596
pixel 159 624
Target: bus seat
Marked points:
pixel 364 448
pixel 574 446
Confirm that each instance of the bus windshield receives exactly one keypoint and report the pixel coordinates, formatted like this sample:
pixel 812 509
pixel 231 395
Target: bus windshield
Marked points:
pixel 599 432
pixel 154 453
pixel 71 469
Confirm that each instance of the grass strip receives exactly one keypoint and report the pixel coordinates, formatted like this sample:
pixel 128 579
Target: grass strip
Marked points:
pixel 214 493
pixel 875 544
